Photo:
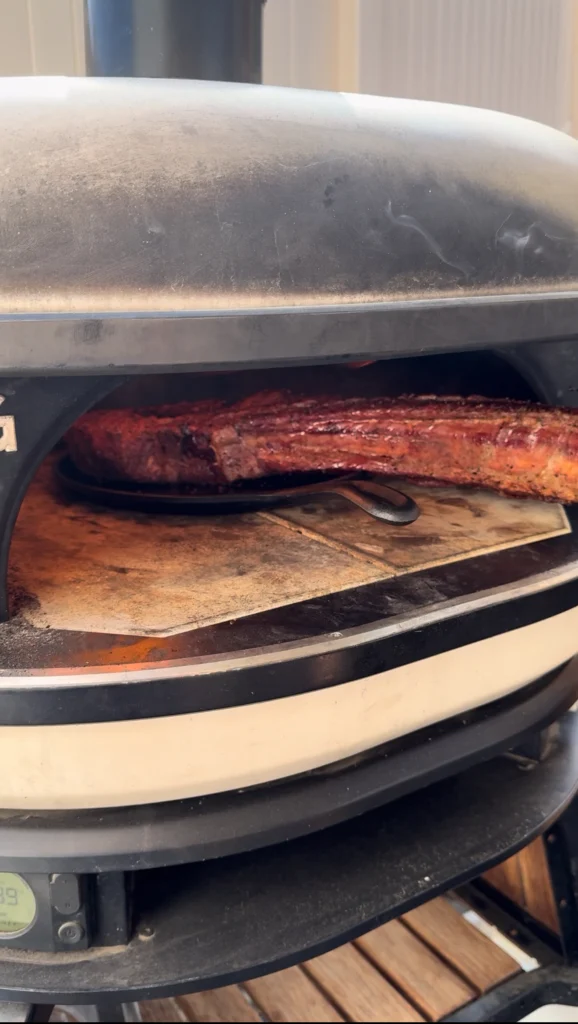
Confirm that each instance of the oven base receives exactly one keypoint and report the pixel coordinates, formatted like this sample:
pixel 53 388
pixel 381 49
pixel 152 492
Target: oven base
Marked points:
pixel 213 924
pixel 157 835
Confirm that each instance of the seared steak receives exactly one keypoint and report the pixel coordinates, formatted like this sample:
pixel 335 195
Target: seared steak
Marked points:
pixel 513 447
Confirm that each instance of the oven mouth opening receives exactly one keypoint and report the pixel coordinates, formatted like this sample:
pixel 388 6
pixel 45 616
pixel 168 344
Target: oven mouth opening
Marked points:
pixel 102 560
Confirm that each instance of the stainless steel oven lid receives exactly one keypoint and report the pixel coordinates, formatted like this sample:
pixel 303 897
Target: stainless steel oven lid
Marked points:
pixel 170 223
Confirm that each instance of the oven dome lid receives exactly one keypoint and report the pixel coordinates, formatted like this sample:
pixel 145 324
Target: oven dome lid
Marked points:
pixel 147 198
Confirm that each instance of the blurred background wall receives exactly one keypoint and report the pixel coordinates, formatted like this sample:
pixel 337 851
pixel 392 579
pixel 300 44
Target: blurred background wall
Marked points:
pixel 41 37
pixel 519 56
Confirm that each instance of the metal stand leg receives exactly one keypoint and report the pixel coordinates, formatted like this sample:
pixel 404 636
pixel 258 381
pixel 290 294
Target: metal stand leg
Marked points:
pixel 562 854
pixel 515 999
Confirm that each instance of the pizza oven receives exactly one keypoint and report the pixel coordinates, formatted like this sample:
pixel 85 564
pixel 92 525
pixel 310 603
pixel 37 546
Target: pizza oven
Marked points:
pixel 184 680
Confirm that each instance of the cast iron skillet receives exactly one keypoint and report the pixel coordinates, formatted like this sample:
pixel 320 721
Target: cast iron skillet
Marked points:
pixel 376 498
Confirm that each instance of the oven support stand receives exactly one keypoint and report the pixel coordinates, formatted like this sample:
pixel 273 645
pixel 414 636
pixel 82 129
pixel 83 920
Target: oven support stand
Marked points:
pixel 34 414
pixel 520 996
pixel 556 981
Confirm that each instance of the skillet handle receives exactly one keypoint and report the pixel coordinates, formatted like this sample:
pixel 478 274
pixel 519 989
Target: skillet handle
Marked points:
pixel 380 501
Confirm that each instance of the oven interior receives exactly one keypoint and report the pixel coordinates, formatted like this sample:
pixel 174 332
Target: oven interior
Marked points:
pixel 282 564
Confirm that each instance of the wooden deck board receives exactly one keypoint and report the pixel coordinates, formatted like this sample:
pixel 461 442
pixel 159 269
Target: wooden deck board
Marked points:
pixel 162 1010
pixel 475 956
pixel 421 967
pixel 538 895
pixel 507 877
pixel 359 990
pixel 431 985
pixel 219 1005
pixel 291 996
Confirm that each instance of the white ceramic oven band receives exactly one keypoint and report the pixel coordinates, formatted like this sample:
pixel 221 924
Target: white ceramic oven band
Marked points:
pixel 152 760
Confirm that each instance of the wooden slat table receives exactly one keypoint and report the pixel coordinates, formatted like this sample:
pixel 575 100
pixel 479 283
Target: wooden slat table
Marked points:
pixel 419 968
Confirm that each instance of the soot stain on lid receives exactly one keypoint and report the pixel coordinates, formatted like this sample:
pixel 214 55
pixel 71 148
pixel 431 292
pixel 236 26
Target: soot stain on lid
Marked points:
pixel 89 332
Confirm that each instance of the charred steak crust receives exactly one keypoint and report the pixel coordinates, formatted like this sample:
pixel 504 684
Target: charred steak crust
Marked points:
pixel 513 447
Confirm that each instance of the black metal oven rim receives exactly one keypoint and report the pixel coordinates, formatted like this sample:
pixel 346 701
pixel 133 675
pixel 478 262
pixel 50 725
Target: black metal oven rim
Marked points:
pixel 94 695
pixel 157 835
pixel 112 343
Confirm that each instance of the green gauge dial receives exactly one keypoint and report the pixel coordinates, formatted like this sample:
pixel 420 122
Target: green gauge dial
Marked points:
pixel 17 905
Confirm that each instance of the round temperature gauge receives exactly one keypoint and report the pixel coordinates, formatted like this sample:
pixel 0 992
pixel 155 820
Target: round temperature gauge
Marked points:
pixel 17 906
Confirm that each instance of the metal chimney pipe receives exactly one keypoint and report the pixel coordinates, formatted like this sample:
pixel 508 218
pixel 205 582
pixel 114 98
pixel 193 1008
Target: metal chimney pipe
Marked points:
pixel 219 40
